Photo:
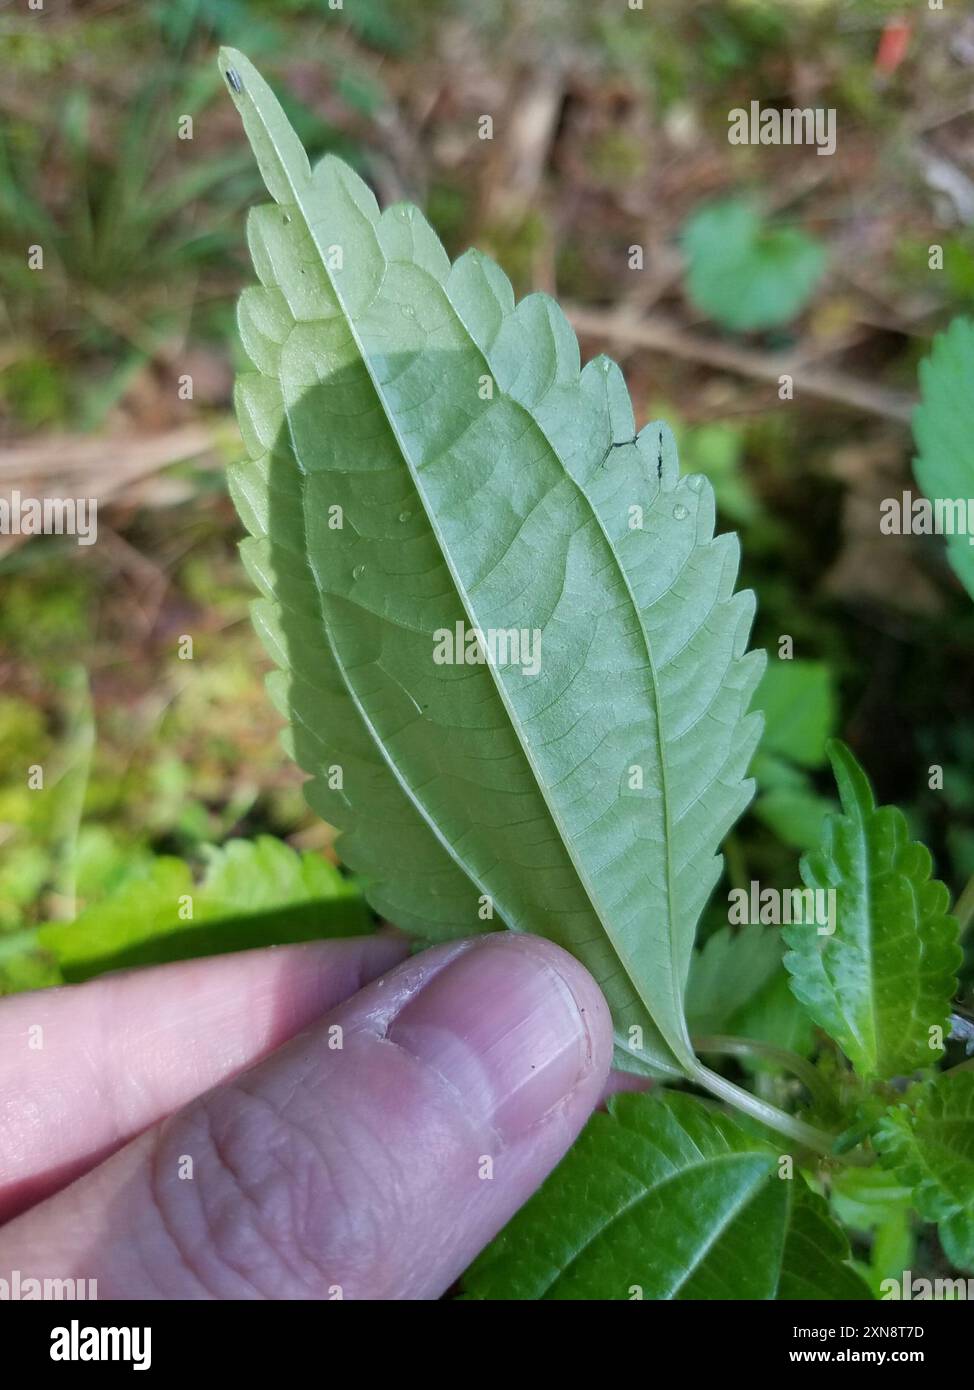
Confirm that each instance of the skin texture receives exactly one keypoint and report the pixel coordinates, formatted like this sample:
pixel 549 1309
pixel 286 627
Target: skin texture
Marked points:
pixel 309 1122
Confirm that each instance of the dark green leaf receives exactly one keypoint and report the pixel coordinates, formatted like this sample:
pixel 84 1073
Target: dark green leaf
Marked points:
pixel 881 985
pixel 815 1263
pixel 666 1198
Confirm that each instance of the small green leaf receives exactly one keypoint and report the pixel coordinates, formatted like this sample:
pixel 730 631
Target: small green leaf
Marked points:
pixel 943 428
pixel 957 1238
pixel 884 980
pixel 798 701
pixel 666 1198
pixel 929 1144
pixel 24 965
pixel 773 1016
pixel 874 1202
pixel 728 971
pixel 864 1198
pixel 744 274
pixel 254 893
pixel 258 875
pixel 796 814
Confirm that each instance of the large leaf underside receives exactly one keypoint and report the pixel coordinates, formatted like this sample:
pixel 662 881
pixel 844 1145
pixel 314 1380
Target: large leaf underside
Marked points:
pixel 423 453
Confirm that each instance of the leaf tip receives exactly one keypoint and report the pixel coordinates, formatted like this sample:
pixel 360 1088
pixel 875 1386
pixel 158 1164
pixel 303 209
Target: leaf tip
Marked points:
pixel 232 65
pixel 855 791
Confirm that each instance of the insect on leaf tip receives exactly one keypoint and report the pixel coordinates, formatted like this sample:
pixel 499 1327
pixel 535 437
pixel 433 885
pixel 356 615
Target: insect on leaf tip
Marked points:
pixel 233 79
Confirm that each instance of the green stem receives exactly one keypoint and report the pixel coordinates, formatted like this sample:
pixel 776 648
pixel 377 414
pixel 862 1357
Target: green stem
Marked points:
pixel 751 1047
pixel 789 1125
pixel 817 1140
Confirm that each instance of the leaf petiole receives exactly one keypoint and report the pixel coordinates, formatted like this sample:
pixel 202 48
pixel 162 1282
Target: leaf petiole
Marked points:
pixel 752 1047
pixel 806 1135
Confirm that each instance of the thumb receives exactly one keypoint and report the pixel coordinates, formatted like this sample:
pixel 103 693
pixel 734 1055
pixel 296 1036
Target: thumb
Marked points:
pixel 371 1157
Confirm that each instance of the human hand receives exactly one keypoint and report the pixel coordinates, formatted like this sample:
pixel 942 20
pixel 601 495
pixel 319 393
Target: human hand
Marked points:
pixel 308 1122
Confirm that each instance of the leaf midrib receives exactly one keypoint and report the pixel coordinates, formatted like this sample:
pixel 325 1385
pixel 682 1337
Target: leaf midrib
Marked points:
pixel 655 1188
pixel 861 820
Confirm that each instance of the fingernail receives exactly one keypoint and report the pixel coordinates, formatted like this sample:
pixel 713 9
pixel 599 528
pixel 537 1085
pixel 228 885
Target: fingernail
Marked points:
pixel 502 1025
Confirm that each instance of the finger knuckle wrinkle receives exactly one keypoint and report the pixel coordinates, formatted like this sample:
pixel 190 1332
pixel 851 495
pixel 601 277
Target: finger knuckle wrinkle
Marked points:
pixel 245 1224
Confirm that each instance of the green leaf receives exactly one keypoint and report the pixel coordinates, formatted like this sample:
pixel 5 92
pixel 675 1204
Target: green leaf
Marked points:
pixel 873 1201
pixel 797 699
pixel 943 427
pixel 797 815
pixel 424 454
pixel 744 274
pixel 816 1260
pixel 865 1198
pixel 774 1016
pixel 957 1238
pixel 24 965
pixel 258 875
pixel 254 893
pixel 929 1144
pixel 886 977
pixel 729 970
pixel 665 1198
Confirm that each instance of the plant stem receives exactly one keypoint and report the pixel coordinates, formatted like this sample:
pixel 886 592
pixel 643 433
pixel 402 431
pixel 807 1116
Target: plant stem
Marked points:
pixel 751 1047
pixel 789 1125
pixel 807 1135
